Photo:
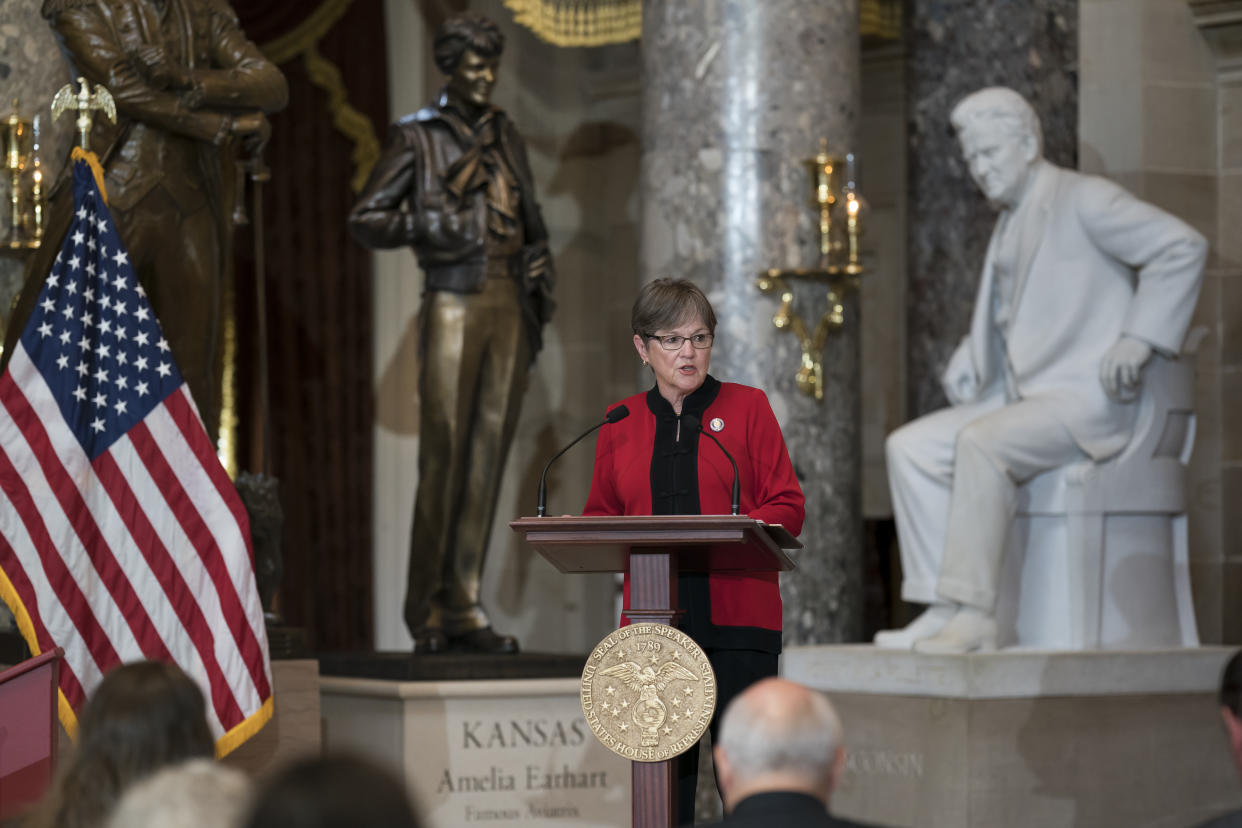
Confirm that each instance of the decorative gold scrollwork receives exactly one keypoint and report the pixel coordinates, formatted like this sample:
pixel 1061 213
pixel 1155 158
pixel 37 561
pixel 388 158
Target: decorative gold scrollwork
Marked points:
pixel 810 376
pixel 600 22
pixel 834 193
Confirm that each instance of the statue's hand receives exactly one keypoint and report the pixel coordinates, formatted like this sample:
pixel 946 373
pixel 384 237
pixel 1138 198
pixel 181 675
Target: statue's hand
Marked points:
pixel 152 63
pixel 538 267
pixel 1121 369
pixel 253 130
pixel 193 97
pixel 959 381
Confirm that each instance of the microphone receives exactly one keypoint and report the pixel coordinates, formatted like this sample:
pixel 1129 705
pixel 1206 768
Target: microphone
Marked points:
pixel 616 415
pixel 693 422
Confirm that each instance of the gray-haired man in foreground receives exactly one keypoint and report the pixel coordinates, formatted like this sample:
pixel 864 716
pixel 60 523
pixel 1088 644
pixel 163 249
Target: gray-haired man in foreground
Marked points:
pixel 779 756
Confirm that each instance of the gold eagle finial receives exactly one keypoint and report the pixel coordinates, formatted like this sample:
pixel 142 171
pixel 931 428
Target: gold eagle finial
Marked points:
pixel 85 100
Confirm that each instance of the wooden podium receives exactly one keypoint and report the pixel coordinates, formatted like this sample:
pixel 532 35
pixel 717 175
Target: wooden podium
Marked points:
pixel 653 550
pixel 28 731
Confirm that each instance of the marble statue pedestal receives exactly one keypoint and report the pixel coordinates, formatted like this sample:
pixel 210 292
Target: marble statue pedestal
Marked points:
pixel 505 752
pixel 1026 738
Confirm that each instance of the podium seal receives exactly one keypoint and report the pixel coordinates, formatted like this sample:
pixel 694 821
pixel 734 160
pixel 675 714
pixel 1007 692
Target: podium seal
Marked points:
pixel 648 692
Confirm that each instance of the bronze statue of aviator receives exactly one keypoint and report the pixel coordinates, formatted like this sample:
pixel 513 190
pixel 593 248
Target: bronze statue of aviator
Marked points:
pixel 455 185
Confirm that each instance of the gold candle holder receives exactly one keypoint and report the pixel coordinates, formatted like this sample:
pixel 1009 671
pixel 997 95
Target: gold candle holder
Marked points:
pixel 16 136
pixel 856 211
pixel 839 266
pixel 825 172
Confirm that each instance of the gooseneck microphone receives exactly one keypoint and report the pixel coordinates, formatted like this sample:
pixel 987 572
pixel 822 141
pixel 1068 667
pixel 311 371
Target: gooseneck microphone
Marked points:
pixel 616 415
pixel 692 422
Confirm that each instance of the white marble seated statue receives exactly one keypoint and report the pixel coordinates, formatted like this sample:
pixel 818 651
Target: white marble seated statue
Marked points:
pixel 1081 282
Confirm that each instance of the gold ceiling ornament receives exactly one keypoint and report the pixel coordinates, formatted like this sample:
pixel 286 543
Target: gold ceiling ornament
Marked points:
pixel 580 22
pixel 880 19
pixel 601 22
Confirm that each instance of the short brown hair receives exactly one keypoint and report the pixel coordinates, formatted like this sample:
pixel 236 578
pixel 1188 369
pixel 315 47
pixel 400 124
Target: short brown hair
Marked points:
pixel 468 30
pixel 667 303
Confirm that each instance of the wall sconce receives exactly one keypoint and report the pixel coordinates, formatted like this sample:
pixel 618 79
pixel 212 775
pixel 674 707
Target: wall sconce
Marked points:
pixel 27 189
pixel 841 210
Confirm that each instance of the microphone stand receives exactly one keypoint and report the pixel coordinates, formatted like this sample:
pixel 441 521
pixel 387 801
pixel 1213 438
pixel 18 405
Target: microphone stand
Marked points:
pixel 615 415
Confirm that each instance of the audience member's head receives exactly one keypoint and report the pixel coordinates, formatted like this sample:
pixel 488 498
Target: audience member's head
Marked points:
pixel 195 794
pixel 778 736
pixel 142 717
pixel 333 792
pixel 1230 697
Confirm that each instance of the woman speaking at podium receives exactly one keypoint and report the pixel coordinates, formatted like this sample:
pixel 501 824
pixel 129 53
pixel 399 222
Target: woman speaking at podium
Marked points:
pixel 657 462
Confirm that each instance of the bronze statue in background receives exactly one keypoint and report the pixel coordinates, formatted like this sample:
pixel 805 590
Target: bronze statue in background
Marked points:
pixel 191 92
pixel 455 185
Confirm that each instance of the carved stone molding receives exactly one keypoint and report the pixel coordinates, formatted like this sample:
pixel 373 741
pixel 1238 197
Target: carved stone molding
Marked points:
pixel 1221 24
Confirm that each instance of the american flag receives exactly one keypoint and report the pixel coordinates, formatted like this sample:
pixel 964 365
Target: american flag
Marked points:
pixel 121 536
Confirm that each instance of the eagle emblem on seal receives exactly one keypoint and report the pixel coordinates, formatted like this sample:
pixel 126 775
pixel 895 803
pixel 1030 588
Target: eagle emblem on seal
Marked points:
pixel 650 712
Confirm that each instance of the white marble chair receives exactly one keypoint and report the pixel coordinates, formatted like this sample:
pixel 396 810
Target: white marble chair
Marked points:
pixel 1098 558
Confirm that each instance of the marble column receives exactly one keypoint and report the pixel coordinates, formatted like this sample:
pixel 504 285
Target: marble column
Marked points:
pixel 735 94
pixel 954 47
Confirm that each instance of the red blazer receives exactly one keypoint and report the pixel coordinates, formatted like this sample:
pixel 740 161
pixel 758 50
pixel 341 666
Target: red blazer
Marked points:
pixel 621 485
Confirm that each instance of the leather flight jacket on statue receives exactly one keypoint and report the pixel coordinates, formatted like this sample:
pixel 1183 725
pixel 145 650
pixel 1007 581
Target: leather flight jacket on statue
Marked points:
pixel 415 197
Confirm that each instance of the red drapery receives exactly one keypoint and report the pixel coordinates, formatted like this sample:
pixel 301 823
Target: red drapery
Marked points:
pixel 319 323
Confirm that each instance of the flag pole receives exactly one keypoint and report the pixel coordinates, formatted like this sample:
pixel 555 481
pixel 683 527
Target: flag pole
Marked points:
pixel 261 492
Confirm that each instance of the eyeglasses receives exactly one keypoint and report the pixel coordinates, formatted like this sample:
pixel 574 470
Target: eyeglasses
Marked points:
pixel 673 342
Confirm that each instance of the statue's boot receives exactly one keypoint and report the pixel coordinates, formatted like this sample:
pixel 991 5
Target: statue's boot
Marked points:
pixel 430 641
pixel 483 640
pixel 930 622
pixel 969 630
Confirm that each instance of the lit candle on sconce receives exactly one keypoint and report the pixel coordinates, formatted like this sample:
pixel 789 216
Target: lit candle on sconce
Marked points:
pixel 856 209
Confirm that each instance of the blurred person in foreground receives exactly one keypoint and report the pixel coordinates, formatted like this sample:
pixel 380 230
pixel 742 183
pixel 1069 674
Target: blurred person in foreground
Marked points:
pixel 333 792
pixel 779 756
pixel 199 793
pixel 653 462
pixel 142 717
pixel 1230 698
